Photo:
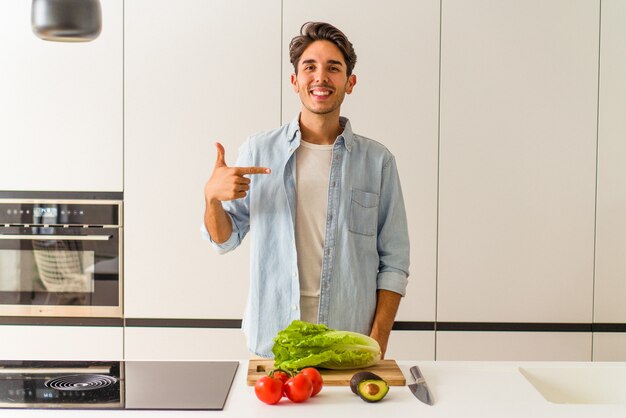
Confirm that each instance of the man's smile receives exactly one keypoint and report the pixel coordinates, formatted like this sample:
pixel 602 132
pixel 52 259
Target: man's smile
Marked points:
pixel 321 91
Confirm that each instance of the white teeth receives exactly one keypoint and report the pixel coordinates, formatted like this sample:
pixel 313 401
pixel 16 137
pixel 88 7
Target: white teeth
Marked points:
pixel 320 93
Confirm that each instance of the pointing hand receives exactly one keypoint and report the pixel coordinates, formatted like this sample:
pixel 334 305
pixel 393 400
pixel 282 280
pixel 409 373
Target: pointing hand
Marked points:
pixel 229 183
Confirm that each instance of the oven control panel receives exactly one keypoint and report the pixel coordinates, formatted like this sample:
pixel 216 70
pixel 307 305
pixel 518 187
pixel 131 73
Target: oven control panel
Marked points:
pixel 60 213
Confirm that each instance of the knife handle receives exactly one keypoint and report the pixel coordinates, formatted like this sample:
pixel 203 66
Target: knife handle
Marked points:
pixel 417 374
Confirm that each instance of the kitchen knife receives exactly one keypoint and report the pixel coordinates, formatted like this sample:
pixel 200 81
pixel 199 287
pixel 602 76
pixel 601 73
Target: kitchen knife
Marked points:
pixel 420 388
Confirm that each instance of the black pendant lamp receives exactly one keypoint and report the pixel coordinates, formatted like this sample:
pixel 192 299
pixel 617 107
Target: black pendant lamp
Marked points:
pixel 66 20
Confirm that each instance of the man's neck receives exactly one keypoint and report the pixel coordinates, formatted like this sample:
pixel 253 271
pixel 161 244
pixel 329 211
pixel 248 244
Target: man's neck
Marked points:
pixel 320 129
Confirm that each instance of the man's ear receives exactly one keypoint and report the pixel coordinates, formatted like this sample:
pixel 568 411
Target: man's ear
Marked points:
pixel 294 83
pixel 350 83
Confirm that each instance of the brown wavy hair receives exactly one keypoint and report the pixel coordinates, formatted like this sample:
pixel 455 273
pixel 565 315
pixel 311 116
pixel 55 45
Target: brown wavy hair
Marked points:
pixel 320 31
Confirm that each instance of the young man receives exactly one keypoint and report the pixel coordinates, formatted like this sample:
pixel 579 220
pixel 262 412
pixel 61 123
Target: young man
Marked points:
pixel 329 232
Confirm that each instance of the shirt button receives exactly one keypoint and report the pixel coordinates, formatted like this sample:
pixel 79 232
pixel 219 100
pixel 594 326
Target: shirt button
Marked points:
pixel 295 274
pixel 294 307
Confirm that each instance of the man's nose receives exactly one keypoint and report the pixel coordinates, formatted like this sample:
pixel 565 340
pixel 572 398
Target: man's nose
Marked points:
pixel 322 76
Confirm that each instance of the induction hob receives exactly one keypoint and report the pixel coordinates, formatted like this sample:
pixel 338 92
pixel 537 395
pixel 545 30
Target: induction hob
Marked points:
pixel 155 385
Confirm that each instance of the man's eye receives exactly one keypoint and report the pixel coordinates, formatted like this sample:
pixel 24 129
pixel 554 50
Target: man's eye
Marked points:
pixel 308 68
pixel 334 69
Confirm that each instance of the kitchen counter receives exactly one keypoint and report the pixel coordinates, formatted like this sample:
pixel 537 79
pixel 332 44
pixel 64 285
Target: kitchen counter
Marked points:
pixel 460 389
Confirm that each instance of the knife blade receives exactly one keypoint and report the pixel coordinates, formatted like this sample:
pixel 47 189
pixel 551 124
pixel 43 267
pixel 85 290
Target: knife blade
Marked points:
pixel 420 388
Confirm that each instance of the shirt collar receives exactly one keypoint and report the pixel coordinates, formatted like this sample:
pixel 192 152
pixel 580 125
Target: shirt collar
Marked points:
pixel 293 131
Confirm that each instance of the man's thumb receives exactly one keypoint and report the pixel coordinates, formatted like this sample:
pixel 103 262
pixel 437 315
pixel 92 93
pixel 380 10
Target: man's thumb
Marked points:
pixel 220 162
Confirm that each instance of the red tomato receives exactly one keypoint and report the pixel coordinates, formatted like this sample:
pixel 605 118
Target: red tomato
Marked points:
pixel 268 389
pixel 282 376
pixel 316 379
pixel 299 388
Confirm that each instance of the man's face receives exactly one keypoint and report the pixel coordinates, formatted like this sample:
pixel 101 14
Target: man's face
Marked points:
pixel 322 80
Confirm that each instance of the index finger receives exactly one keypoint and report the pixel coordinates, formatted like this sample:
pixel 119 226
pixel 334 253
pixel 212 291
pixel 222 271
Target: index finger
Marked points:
pixel 252 170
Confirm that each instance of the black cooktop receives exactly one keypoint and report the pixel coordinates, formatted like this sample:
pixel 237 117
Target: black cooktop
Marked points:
pixel 156 385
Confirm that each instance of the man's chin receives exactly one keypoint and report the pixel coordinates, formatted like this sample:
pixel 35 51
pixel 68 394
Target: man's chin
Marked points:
pixel 321 111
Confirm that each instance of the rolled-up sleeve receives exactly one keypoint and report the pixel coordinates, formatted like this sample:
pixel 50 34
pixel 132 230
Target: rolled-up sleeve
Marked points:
pixel 230 244
pixel 238 212
pixel 393 281
pixel 393 235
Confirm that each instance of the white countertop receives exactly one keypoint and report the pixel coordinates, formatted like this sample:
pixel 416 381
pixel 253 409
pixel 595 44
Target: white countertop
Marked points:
pixel 460 389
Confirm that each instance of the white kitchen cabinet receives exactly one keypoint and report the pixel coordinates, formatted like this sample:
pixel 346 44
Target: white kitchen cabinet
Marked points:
pixel 184 343
pixel 517 161
pixel 610 280
pixel 34 342
pixel 196 72
pixel 609 346
pixel 160 343
pixel 509 346
pixel 395 102
pixel 60 105
pixel 411 345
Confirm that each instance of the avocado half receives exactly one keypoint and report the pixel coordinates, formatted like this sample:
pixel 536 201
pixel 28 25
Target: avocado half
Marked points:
pixel 372 390
pixel 369 386
pixel 359 377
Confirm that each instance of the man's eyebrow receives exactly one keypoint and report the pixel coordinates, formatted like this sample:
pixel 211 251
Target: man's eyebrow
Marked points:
pixel 312 61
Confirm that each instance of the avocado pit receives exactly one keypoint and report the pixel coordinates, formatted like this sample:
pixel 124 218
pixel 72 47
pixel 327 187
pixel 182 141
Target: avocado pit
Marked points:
pixel 371 389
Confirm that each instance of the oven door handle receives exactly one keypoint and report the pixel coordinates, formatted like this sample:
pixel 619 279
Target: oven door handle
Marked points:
pixel 57 237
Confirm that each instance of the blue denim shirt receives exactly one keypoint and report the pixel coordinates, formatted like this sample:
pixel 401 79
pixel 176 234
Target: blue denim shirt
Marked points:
pixel 366 246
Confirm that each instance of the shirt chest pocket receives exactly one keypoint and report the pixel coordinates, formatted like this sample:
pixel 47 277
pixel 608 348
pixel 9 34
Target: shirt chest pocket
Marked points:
pixel 363 212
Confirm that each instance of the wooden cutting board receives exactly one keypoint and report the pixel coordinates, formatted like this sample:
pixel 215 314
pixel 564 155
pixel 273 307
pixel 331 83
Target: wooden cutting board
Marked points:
pixel 386 369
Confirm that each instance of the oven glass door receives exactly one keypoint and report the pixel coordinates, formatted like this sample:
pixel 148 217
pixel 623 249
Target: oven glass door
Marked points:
pixel 57 266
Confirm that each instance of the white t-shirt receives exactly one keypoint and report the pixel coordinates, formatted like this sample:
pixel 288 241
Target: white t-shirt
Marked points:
pixel 312 174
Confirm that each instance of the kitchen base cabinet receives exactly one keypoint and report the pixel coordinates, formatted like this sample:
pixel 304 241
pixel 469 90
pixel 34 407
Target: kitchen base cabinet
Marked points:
pixel 513 346
pixel 61 343
pixel 159 343
pixel 155 343
pixel 609 346
pixel 411 345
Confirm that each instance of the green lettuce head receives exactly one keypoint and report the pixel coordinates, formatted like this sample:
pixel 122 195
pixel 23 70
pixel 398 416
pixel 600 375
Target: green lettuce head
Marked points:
pixel 303 344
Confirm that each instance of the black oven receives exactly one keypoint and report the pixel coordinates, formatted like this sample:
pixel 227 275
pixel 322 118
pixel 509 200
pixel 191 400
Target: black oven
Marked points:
pixel 61 257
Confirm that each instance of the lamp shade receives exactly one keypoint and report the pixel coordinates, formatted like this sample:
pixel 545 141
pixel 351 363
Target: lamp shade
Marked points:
pixel 66 20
